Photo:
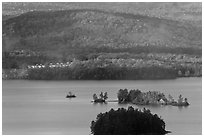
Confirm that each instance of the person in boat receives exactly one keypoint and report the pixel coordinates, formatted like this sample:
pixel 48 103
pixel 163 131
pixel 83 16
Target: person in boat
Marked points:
pixel 69 95
pixel 180 100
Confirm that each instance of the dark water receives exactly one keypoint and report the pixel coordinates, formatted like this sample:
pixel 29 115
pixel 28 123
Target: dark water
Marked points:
pixel 40 107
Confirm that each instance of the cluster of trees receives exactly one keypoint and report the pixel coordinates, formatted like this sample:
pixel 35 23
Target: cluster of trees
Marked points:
pixel 19 62
pixel 128 122
pixel 149 98
pixel 103 97
pixel 102 66
pixel 125 96
pixel 139 97
pixel 83 72
pixel 142 98
pixel 154 49
pixel 14 74
pixel 188 70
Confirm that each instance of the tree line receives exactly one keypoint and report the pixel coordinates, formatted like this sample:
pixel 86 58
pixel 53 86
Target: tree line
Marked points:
pixel 111 72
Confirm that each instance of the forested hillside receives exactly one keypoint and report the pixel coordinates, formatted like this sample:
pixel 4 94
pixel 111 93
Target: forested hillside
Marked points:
pixel 190 12
pixel 139 46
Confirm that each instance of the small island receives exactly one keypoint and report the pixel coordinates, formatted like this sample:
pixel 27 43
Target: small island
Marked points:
pixel 149 98
pixel 128 122
pixel 102 99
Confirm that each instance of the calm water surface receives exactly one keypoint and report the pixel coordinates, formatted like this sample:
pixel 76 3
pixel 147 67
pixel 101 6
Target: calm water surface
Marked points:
pixel 40 107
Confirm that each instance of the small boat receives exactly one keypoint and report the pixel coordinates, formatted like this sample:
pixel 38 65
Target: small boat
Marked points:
pixel 70 95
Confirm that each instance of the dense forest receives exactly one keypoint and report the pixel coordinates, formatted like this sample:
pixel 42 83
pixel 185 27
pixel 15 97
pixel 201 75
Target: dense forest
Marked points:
pixel 104 66
pixel 99 45
pixel 81 72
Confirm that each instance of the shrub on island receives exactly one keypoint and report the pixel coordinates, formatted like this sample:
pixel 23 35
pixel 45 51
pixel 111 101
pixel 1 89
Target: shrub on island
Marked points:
pixel 102 99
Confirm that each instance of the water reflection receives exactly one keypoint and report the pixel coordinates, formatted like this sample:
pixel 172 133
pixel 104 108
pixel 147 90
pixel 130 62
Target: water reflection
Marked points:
pixel 180 108
pixel 99 104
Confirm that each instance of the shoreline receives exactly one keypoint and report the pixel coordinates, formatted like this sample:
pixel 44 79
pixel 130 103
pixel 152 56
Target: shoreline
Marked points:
pixel 103 79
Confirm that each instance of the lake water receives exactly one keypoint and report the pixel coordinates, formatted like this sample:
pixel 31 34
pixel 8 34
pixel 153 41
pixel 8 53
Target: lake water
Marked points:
pixel 40 107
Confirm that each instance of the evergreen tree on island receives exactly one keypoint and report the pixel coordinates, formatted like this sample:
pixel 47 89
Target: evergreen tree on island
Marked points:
pixel 128 122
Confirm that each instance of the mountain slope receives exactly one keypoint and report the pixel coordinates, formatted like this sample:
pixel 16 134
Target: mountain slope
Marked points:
pixel 62 32
pixel 182 11
pixel 95 44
